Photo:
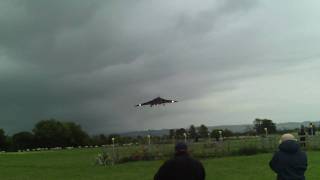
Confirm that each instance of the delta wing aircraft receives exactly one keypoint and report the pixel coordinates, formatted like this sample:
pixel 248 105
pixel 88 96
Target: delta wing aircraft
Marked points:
pixel 157 101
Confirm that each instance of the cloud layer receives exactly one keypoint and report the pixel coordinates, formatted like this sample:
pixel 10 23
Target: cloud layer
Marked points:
pixel 90 61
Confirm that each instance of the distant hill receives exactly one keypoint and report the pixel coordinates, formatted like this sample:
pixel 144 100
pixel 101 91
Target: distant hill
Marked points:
pixel 234 128
pixel 294 125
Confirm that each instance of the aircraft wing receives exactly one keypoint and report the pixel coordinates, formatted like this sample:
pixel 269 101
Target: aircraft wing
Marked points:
pixel 144 104
pixel 169 101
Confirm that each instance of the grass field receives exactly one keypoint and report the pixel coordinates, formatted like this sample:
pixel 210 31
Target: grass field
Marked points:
pixel 79 164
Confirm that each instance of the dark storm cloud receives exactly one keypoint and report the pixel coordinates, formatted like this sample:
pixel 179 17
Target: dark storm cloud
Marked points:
pixel 91 61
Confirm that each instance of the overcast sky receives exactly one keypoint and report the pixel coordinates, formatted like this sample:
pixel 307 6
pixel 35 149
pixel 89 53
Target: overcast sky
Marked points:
pixel 226 61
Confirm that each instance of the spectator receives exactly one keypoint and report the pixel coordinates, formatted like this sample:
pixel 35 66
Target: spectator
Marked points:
pixel 181 166
pixel 290 163
pixel 302 136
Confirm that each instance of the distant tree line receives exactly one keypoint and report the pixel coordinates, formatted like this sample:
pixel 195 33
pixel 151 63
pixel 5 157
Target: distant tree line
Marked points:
pixel 50 134
pixel 201 132
pixel 263 126
pixel 45 134
pixel 53 133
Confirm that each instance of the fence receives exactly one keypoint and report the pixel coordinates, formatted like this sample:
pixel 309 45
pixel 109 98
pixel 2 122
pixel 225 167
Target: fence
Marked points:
pixel 206 148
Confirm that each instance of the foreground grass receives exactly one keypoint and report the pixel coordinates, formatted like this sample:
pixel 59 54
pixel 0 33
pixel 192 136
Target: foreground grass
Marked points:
pixel 79 164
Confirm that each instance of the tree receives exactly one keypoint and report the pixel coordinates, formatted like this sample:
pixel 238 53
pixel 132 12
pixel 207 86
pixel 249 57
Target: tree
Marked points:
pixel 2 139
pixel 50 133
pixel 215 133
pixel 227 133
pixel 193 132
pixel 75 135
pixel 261 124
pixel 23 140
pixel 203 131
pixel 53 133
pixel 172 133
pixel 116 137
pixel 100 139
pixel 180 133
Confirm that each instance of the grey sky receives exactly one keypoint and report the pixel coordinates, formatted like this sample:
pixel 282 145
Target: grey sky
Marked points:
pixel 227 62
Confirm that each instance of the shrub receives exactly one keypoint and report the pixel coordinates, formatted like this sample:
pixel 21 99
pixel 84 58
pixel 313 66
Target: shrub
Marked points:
pixel 143 154
pixel 249 151
pixel 104 158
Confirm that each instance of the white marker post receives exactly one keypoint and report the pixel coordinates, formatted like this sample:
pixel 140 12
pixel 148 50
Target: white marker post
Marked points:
pixel 149 139
pixel 185 137
pixel 113 145
pixel 209 138
pixel 113 152
pixel 266 130
pixel 220 134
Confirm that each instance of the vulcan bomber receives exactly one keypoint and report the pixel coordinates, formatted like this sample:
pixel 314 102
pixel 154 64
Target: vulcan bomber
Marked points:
pixel 157 101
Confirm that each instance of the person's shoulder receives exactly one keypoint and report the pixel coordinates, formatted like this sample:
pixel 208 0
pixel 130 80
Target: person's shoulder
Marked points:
pixel 170 161
pixel 276 153
pixel 195 161
pixel 303 153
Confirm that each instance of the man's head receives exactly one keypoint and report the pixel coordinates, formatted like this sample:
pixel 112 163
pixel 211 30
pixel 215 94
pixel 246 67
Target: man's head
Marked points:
pixel 181 148
pixel 286 137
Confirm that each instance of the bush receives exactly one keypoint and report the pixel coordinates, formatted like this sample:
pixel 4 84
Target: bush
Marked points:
pixel 142 154
pixel 104 158
pixel 249 151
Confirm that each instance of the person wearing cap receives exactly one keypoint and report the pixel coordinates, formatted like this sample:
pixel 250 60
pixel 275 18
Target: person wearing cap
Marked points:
pixel 289 163
pixel 181 166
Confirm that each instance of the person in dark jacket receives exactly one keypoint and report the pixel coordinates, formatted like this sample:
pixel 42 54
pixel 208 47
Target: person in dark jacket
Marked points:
pixel 290 163
pixel 302 136
pixel 181 166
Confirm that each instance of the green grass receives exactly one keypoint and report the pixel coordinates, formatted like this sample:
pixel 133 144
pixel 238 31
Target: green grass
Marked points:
pixel 79 164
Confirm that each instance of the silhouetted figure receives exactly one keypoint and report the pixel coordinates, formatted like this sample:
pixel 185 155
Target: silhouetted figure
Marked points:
pixel 181 166
pixel 311 129
pixel 217 138
pixel 302 136
pixel 196 139
pixel 290 163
